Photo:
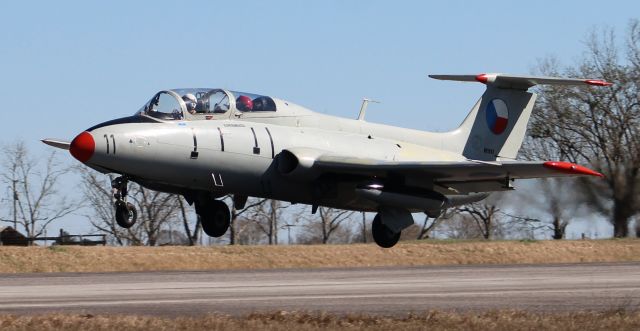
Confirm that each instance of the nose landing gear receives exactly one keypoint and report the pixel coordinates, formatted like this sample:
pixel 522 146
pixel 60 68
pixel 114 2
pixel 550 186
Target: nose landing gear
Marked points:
pixel 126 214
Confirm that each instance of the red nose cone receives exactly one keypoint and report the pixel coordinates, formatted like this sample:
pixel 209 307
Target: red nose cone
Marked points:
pixel 82 147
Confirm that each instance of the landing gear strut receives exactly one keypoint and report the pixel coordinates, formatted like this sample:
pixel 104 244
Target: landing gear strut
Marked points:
pixel 214 216
pixel 382 235
pixel 126 214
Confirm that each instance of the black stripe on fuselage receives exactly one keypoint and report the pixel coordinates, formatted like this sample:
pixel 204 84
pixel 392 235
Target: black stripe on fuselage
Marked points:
pixel 221 140
pixel 123 120
pixel 256 149
pixel 114 144
pixel 273 151
pixel 194 153
pixel 106 138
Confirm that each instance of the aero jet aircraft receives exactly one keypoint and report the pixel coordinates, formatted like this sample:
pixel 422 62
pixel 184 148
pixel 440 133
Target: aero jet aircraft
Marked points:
pixel 206 143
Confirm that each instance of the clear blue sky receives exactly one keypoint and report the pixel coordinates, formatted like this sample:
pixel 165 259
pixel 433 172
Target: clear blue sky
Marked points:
pixel 66 65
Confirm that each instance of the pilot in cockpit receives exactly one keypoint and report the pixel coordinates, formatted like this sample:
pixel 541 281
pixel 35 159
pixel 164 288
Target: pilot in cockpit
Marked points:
pixel 190 101
pixel 244 103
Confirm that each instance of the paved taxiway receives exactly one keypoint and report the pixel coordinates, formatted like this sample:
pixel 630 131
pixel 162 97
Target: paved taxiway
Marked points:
pixel 370 290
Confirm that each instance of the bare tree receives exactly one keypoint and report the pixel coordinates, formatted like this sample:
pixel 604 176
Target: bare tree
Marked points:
pixel 489 219
pixel 155 210
pixel 249 232
pixel 431 223
pixel 251 208
pixel 192 235
pixel 267 216
pixel 359 231
pixel 329 225
pixel 331 219
pixel 600 126
pixel 484 216
pixel 558 199
pixel 520 227
pixel 460 227
pixel 36 199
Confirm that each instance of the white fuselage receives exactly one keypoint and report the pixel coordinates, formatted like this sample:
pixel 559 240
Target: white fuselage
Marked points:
pixel 239 156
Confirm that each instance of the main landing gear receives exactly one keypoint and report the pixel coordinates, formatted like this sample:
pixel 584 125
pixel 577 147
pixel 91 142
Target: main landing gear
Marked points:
pixel 126 214
pixel 382 235
pixel 388 225
pixel 214 216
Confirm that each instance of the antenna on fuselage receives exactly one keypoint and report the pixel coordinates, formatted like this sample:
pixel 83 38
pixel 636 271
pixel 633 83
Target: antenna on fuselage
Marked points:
pixel 363 108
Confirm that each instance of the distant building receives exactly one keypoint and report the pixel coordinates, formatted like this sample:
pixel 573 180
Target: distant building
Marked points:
pixel 11 237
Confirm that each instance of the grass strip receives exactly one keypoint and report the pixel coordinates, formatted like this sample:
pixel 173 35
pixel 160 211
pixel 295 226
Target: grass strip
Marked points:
pixel 417 253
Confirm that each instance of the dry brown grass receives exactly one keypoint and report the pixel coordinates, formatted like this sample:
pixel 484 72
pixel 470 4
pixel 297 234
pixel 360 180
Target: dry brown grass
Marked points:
pixel 105 259
pixel 433 320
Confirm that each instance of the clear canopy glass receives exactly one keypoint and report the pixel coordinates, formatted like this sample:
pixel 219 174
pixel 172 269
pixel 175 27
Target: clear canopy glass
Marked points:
pixel 191 103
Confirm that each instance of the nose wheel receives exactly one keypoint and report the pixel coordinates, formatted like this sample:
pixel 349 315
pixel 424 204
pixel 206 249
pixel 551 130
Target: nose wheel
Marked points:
pixel 126 214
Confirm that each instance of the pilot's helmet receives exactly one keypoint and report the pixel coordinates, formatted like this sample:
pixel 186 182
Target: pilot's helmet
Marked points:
pixel 190 100
pixel 244 103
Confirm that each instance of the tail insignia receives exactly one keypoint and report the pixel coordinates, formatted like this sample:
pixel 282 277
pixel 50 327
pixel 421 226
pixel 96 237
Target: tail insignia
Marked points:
pixel 497 115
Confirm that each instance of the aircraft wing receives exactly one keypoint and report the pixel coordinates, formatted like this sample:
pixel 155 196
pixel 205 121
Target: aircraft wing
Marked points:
pixel 464 176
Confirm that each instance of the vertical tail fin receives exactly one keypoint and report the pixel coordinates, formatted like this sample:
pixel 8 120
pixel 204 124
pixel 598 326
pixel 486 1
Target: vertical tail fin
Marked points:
pixel 497 123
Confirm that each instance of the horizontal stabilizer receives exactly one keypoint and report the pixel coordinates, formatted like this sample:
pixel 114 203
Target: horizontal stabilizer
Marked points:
pixel 57 143
pixel 520 82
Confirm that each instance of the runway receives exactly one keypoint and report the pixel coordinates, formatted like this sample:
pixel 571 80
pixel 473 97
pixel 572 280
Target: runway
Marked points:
pixel 389 290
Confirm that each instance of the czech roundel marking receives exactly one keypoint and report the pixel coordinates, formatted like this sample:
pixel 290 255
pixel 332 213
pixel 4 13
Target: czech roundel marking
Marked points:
pixel 497 116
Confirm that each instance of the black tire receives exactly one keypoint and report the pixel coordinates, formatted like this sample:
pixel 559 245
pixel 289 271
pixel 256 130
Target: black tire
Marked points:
pixel 215 218
pixel 126 214
pixel 382 235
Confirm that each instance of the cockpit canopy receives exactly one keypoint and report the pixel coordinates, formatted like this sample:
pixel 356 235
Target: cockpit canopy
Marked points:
pixel 203 103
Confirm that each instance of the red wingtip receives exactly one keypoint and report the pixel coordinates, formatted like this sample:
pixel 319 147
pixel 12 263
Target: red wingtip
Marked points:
pixel 597 82
pixel 482 78
pixel 571 168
